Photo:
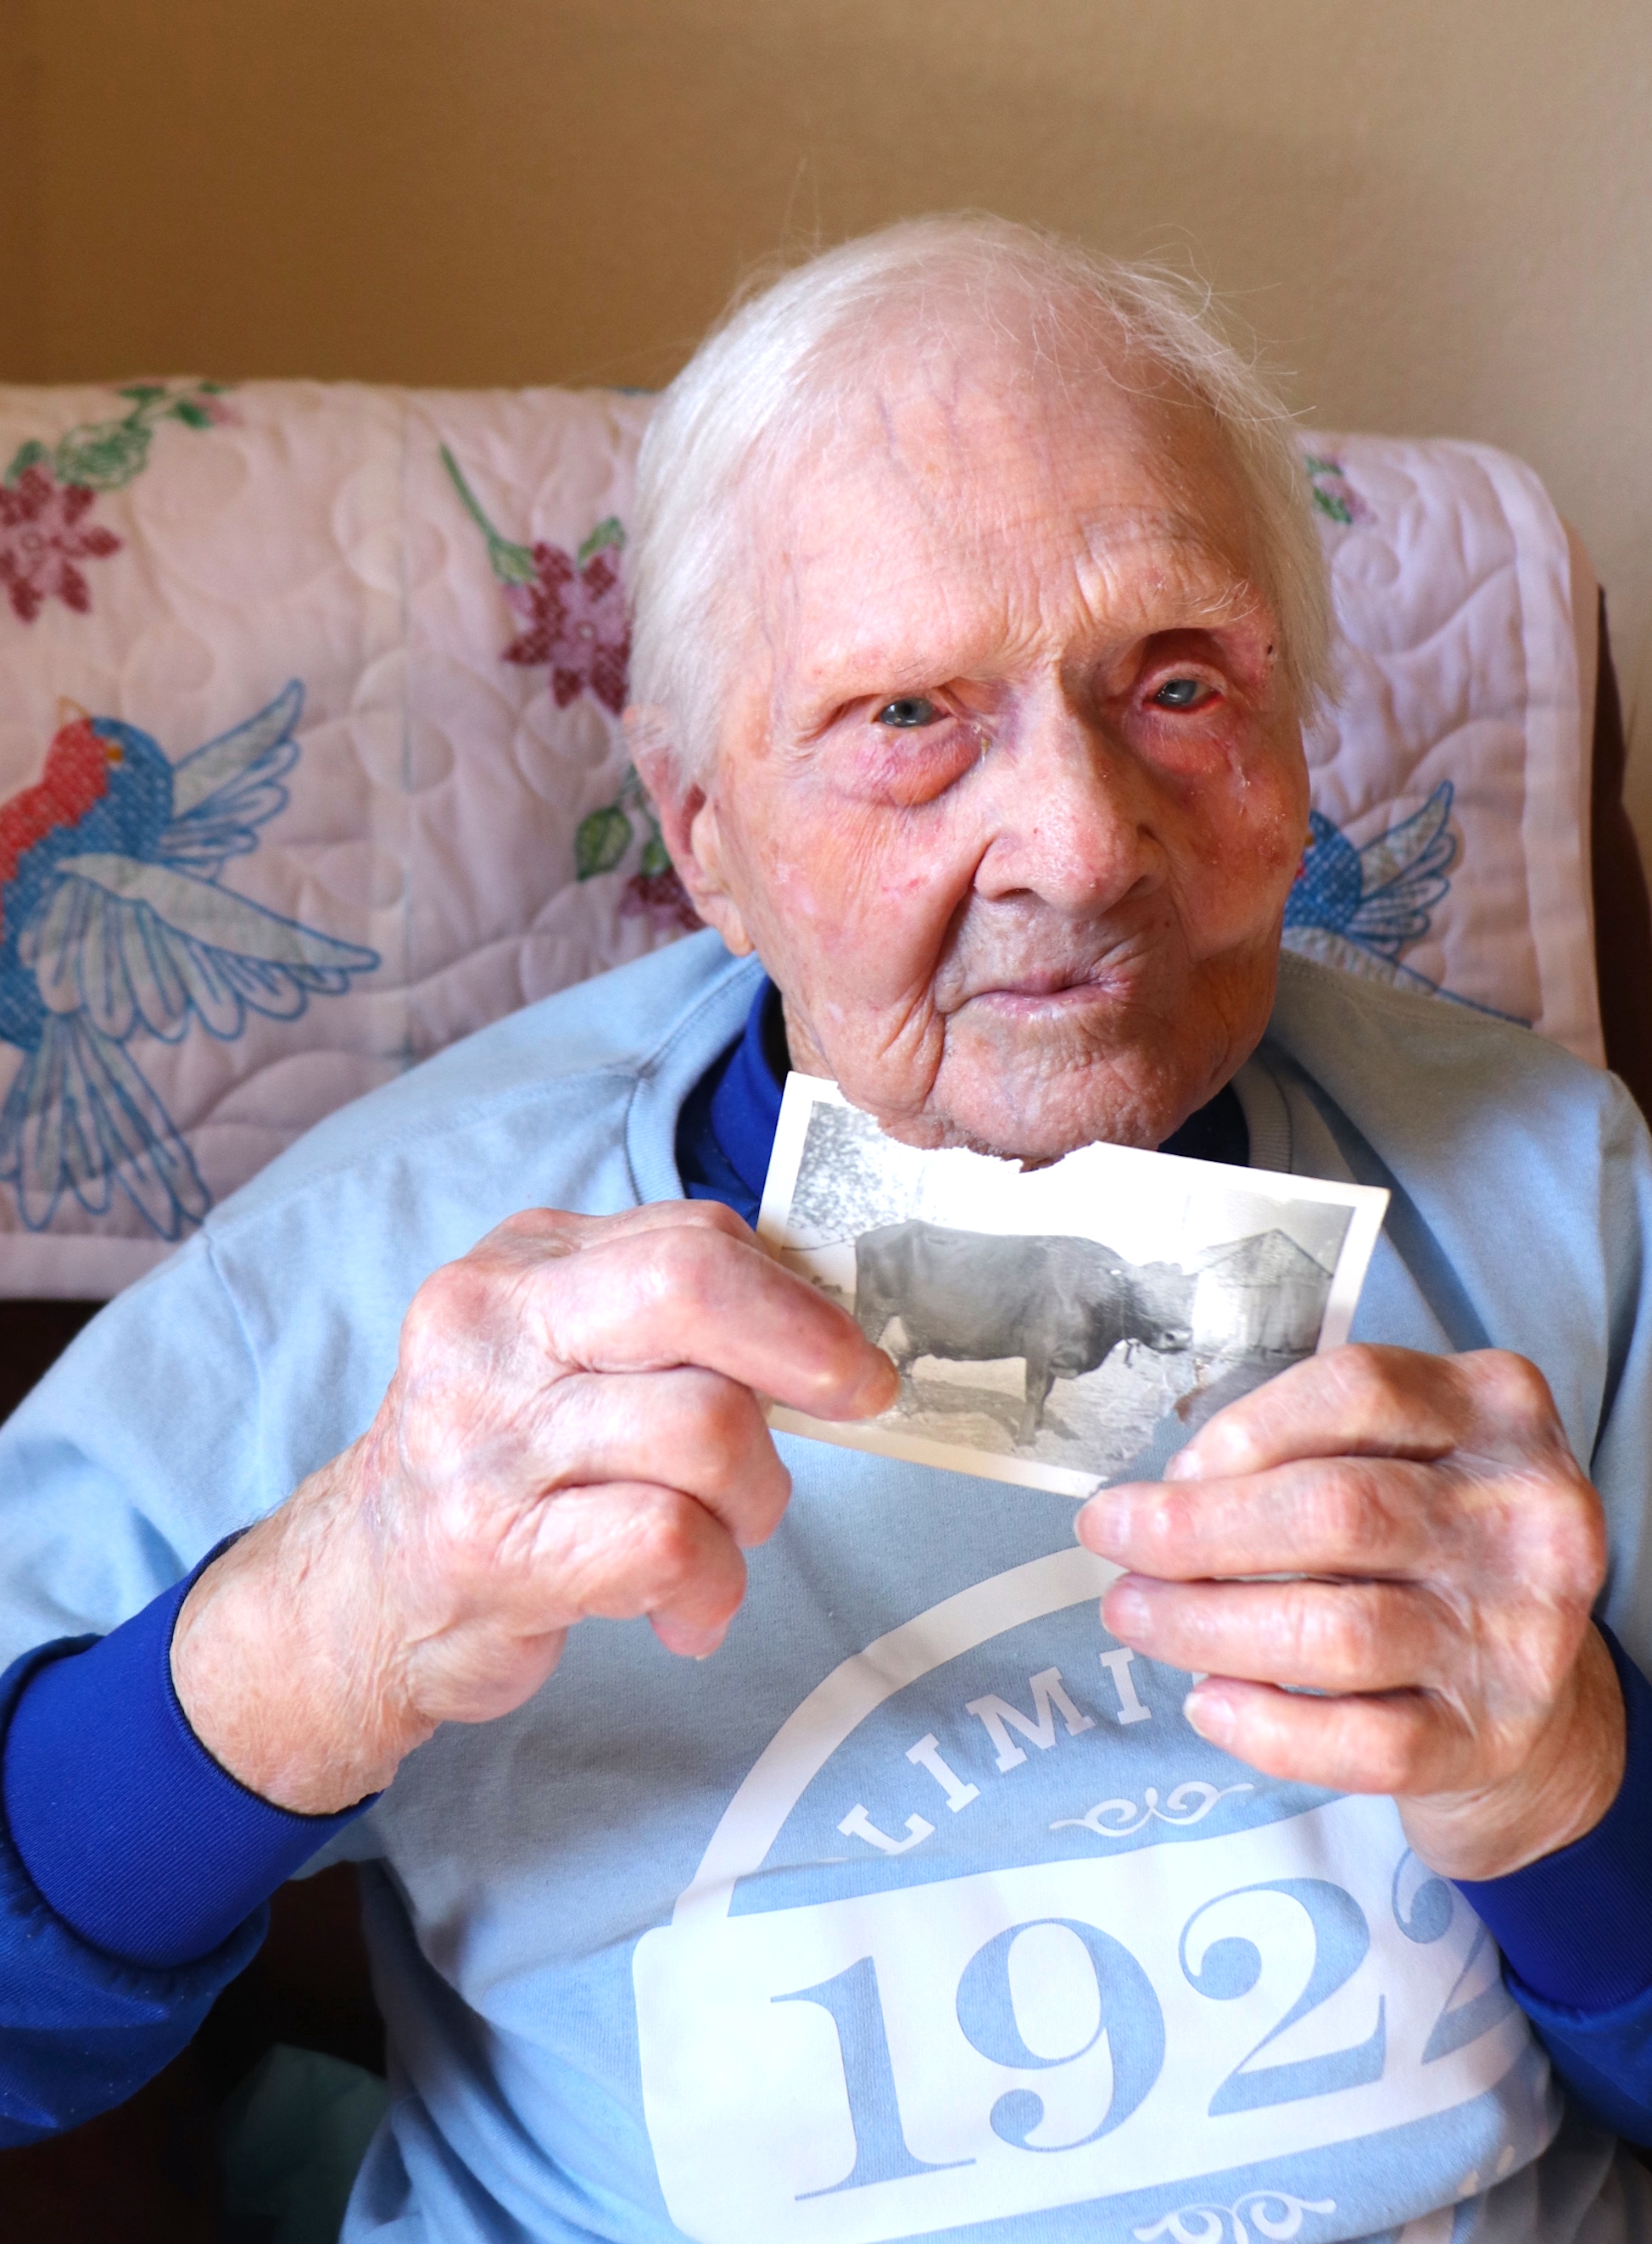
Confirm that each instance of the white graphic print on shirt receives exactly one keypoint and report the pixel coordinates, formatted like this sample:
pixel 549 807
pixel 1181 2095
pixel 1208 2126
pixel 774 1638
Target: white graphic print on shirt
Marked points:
pixel 988 1932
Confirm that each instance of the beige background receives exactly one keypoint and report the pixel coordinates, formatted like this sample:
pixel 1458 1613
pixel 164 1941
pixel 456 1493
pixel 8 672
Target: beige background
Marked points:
pixel 1436 213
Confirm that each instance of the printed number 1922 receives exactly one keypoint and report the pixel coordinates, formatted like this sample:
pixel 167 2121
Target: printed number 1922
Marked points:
pixel 1220 1958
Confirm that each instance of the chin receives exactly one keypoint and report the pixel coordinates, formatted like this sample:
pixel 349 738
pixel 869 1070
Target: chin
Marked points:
pixel 1035 1097
pixel 1043 1114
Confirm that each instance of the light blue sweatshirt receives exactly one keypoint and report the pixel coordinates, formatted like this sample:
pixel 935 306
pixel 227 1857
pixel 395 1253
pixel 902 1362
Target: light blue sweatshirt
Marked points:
pixel 919 1909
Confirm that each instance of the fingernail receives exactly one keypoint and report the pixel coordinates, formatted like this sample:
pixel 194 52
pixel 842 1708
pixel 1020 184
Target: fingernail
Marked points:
pixel 1107 1520
pixel 1128 1610
pixel 1184 1465
pixel 878 1390
pixel 1208 1714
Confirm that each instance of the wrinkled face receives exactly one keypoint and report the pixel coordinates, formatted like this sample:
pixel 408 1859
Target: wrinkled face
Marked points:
pixel 1008 794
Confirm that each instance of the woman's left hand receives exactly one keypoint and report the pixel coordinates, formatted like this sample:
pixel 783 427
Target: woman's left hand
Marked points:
pixel 1435 1642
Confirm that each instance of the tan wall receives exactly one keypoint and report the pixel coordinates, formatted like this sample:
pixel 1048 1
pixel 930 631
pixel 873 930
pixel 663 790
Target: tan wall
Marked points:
pixel 1436 212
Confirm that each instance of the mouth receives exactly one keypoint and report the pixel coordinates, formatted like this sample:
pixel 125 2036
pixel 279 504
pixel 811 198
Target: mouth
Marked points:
pixel 1054 993
pixel 1029 1001
pixel 1040 981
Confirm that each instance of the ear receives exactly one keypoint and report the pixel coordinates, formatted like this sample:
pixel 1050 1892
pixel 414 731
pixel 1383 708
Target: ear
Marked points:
pixel 688 823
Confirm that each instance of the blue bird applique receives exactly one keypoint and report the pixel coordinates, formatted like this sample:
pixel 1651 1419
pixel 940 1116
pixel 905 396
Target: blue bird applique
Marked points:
pixel 1360 908
pixel 113 919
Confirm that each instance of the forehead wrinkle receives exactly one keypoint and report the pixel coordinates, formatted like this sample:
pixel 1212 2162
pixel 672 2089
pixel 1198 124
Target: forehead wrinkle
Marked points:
pixel 987 504
pixel 1168 577
pixel 1175 563
pixel 933 499
pixel 923 413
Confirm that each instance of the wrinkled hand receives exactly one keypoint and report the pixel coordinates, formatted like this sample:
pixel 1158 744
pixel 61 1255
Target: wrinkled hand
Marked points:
pixel 1453 1548
pixel 573 1431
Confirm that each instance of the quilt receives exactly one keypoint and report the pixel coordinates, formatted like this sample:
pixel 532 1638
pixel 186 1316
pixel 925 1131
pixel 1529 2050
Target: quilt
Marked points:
pixel 311 763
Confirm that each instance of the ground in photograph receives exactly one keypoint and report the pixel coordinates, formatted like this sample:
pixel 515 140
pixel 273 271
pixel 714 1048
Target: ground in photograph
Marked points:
pixel 1095 1424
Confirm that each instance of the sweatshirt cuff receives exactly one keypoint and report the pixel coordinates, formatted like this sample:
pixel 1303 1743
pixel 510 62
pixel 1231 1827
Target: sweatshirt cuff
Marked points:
pixel 1575 1927
pixel 131 1833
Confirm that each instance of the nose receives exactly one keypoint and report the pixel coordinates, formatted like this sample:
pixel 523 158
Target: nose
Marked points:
pixel 1069 819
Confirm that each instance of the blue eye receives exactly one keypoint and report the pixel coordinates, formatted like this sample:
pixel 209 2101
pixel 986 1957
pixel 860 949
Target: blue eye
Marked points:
pixel 908 713
pixel 1179 693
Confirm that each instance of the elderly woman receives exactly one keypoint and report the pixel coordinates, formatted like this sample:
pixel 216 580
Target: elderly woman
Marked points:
pixel 977 611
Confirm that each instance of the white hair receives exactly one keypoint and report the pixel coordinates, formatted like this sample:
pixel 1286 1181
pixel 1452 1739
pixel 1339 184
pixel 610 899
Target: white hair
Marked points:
pixel 788 355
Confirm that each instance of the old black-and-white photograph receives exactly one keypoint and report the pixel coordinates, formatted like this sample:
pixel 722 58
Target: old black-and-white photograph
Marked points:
pixel 1060 1327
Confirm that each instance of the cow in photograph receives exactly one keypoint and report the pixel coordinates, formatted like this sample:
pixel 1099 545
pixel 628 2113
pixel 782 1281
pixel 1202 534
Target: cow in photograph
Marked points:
pixel 1062 1304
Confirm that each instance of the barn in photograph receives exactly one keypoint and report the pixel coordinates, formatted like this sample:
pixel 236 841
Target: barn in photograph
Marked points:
pixel 1264 1295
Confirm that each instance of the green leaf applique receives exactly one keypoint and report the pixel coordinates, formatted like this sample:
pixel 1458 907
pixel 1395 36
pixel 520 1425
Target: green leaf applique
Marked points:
pixel 104 455
pixel 107 455
pixel 32 454
pixel 511 563
pixel 608 533
pixel 1333 495
pixel 601 841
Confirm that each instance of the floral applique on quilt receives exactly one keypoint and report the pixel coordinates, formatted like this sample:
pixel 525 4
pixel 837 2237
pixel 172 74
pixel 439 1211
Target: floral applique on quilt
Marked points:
pixel 49 491
pixel 1359 908
pixel 572 605
pixel 573 610
pixel 654 891
pixel 114 920
pixel 1333 495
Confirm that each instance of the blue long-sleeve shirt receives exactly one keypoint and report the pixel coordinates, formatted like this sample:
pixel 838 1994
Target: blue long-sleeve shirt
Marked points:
pixel 146 1851
pixel 135 1874
pixel 132 1870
